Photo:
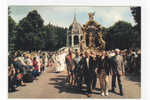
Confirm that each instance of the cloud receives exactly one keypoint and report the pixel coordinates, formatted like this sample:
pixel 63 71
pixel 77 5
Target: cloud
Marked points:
pixel 110 15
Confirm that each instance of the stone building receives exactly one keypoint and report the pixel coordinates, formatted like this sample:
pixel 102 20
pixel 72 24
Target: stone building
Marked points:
pixel 74 34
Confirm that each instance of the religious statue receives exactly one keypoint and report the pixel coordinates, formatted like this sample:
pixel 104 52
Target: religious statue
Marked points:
pixel 91 15
pixel 90 39
pixel 93 41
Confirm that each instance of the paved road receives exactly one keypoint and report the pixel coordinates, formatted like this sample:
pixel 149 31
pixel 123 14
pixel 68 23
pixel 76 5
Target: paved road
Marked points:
pixel 53 85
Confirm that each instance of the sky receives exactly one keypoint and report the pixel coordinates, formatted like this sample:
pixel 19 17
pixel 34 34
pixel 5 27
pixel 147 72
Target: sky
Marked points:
pixel 63 15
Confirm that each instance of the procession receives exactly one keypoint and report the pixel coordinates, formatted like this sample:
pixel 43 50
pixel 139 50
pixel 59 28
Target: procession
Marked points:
pixel 83 60
pixel 82 67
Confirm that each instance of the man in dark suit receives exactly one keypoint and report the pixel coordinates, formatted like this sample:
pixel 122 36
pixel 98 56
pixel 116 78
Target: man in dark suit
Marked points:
pixel 89 65
pixel 117 71
pixel 92 69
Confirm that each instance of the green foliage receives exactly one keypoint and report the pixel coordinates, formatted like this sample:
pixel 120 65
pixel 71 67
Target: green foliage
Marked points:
pixel 11 33
pixel 28 30
pixel 61 37
pixel 120 35
pixel 50 37
pixel 136 13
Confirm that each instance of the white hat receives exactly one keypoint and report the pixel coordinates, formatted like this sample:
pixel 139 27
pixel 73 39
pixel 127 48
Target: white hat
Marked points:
pixel 117 50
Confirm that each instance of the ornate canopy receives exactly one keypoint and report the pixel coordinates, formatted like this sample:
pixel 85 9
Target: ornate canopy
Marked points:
pixel 93 33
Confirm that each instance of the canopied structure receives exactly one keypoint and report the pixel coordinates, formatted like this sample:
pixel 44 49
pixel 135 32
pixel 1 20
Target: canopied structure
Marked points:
pixel 74 34
pixel 93 33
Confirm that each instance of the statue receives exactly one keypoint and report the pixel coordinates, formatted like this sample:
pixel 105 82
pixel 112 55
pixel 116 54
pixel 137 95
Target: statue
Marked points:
pixel 93 41
pixel 91 15
pixel 90 39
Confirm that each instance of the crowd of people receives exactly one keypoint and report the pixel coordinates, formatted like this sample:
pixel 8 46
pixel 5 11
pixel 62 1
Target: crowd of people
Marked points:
pixel 85 67
pixel 58 61
pixel 82 67
pixel 27 66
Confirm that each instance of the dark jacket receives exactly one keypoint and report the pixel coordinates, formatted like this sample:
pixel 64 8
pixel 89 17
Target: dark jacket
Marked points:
pixel 84 65
pixel 92 64
pixel 103 65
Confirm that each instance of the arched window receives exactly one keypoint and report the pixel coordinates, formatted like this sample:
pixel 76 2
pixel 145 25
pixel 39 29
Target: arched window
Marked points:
pixel 76 40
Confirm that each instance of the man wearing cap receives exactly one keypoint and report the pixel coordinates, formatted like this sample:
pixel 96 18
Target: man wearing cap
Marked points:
pixel 117 71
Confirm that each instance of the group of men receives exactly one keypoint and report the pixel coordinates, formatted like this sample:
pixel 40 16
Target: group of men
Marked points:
pixel 85 67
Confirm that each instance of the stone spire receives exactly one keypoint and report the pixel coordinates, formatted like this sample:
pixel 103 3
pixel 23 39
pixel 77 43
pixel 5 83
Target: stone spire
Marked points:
pixel 75 19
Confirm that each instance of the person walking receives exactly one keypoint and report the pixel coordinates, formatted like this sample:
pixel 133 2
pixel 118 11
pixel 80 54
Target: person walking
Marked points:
pixel 93 68
pixel 89 65
pixel 45 61
pixel 117 71
pixel 76 70
pixel 103 72
pixel 69 63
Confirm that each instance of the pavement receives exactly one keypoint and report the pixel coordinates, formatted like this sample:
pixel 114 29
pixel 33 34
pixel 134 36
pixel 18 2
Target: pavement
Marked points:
pixel 53 85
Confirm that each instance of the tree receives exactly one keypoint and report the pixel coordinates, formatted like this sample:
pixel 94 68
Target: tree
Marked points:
pixel 136 13
pixel 120 35
pixel 61 36
pixel 28 30
pixel 54 36
pixel 11 32
pixel 50 37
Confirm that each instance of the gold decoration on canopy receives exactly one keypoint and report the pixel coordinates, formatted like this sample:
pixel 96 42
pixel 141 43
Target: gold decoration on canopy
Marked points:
pixel 92 34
